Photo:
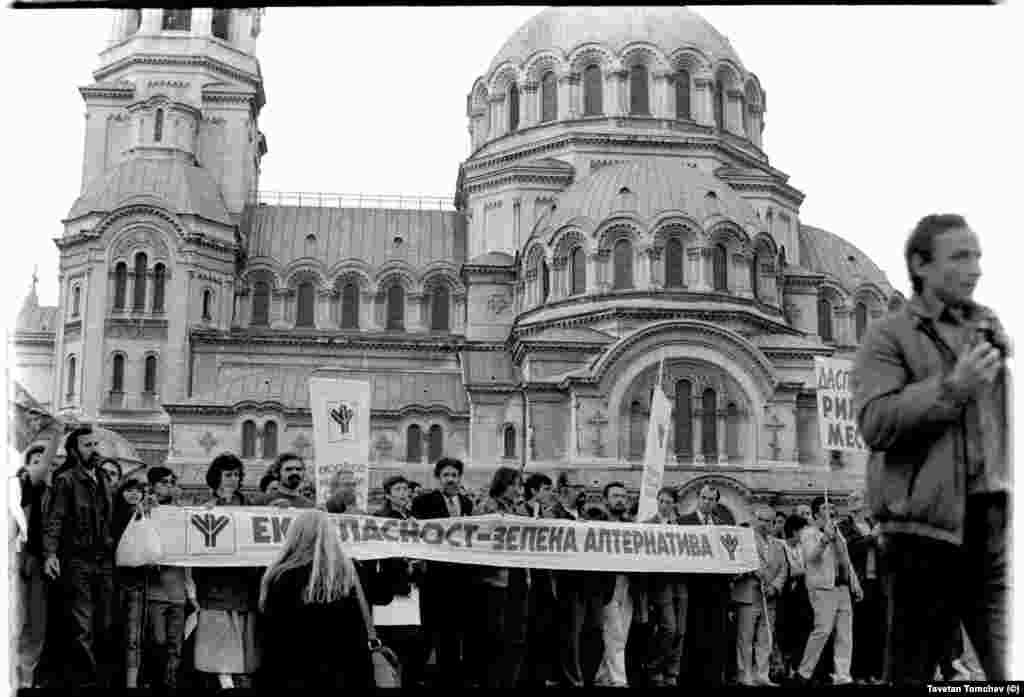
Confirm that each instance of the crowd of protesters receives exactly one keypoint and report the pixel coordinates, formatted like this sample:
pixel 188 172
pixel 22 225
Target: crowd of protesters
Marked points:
pixel 83 621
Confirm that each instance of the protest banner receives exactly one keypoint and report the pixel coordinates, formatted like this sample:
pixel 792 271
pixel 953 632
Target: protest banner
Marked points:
pixel 252 536
pixel 654 453
pixel 837 420
pixel 341 435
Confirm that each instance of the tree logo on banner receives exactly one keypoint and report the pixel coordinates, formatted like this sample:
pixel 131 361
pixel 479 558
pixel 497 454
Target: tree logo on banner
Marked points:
pixel 210 540
pixel 730 542
pixel 341 421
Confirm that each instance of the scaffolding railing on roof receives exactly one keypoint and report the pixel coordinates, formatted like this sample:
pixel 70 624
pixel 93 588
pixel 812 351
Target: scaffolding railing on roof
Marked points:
pixel 327 200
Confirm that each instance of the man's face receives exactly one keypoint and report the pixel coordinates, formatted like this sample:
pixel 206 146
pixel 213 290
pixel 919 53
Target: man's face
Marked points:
pixel 166 489
pixel 955 268
pixel 804 511
pixel 824 513
pixel 292 472
pixel 544 495
pixel 35 459
pixel 229 480
pixel 666 506
pixel 706 501
pixel 765 523
pixel 618 500
pixel 132 496
pixel 514 491
pixel 450 479
pixel 87 445
pixel 398 495
pixel 780 521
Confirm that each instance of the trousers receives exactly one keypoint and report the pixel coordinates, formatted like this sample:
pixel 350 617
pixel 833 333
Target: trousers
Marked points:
pixel 670 600
pixel 618 616
pixel 88 587
pixel 833 610
pixel 754 633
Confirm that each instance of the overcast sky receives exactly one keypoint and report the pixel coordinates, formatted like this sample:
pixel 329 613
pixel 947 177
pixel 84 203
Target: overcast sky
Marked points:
pixel 879 115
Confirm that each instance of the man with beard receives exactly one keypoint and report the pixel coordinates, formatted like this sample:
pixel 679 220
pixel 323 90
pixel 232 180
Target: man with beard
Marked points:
pixel 286 493
pixel 79 553
pixel 709 602
pixel 447 587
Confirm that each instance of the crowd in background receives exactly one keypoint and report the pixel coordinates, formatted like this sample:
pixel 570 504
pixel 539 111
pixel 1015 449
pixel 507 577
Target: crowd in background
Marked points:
pixel 812 613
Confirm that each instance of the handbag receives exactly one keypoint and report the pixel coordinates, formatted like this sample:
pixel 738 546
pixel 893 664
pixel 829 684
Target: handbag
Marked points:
pixel 387 669
pixel 140 544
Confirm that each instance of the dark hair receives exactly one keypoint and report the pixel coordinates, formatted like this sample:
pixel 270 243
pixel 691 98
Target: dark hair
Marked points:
pixel 793 525
pixel 580 501
pixel 265 481
pixel 391 481
pixel 594 512
pixel 504 477
pixel 671 491
pixel 448 462
pixel 922 241
pixel 816 504
pixel 225 462
pixel 71 442
pixel 155 474
pixel 533 484
pixel 130 483
pixel 283 458
pixel 32 451
pixel 611 485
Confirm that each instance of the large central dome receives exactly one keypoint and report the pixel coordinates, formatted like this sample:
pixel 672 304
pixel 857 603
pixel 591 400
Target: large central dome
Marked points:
pixel 565 28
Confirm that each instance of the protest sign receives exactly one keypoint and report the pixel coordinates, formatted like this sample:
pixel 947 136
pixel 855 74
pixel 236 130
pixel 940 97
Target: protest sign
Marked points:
pixel 654 454
pixel 341 435
pixel 837 420
pixel 252 536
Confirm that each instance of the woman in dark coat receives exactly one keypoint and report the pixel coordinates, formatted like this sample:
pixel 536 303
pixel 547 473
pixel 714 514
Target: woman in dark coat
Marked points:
pixel 315 636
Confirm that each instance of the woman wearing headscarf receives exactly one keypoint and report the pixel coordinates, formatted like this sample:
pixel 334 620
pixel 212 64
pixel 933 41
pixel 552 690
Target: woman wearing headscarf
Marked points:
pixel 314 628
pixel 227 596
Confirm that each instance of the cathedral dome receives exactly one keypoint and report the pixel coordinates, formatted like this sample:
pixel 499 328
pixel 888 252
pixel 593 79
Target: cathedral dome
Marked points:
pixel 563 29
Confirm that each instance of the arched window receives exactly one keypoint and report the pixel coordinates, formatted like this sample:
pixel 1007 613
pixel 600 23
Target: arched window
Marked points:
pixel 683 95
pixel 149 381
pixel 139 297
pixel 637 430
pixel 117 374
pixel 709 424
pixel 248 439
pixel 260 304
pixel 305 304
pixel 396 307
pixel 207 304
pixel 439 309
pixel 158 126
pixel 732 430
pixel 350 306
pixel 76 300
pixel 639 95
pixel 861 319
pixel 754 277
pixel 221 23
pixel 120 285
pixel 684 419
pixel 72 367
pixel 270 440
pixel 593 91
pixel 719 267
pixel 622 259
pixel 673 263
pixel 435 444
pixel 509 440
pixel 825 320
pixel 159 282
pixel 413 444
pixel 578 271
pixel 177 20
pixel 513 107
pixel 545 281
pixel 719 101
pixel 548 97
pixel 132 22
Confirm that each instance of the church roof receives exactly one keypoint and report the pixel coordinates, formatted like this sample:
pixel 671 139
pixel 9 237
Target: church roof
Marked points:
pixel 366 234
pixel 839 259
pixel 36 319
pixel 177 185
pixel 389 390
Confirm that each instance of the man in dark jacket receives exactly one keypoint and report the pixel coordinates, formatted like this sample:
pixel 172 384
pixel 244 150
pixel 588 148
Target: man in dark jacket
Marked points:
pixel 930 390
pixel 446 587
pixel 286 490
pixel 79 551
pixel 706 638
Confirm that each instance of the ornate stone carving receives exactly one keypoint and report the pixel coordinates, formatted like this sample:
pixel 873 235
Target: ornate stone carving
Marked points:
pixel 141 237
pixel 598 422
pixel 300 443
pixel 208 442
pixel 498 303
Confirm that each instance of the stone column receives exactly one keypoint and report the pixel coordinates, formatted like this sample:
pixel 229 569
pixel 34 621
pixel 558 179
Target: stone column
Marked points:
pixel 843 328
pixel 322 314
pixel 458 319
pixel 567 107
pixel 650 268
pixel 703 110
pixel 280 308
pixel 723 455
pixel 496 115
pixel 657 262
pixel 529 106
pixel 698 426
pixel 414 312
pixel 593 266
pixel 756 120
pixel 703 263
pixel 662 87
pixel 734 112
pixel 766 279
pixel 559 280
pixel 739 274
pixel 613 93
pixel 243 316
pixel 368 310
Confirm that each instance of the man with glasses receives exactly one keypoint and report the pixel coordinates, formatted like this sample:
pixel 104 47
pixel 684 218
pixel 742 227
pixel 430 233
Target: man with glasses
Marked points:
pixel 79 554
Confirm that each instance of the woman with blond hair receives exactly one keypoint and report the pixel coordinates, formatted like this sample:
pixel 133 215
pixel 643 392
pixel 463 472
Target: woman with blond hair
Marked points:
pixel 313 627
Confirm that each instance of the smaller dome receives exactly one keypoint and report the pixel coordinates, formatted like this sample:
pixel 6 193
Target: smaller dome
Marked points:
pixel 839 259
pixel 648 188
pixel 180 186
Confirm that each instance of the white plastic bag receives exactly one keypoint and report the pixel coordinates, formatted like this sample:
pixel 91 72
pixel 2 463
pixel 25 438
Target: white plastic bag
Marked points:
pixel 140 544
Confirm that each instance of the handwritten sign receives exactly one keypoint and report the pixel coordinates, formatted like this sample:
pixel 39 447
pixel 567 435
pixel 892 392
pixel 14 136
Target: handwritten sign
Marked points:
pixel 837 420
pixel 341 435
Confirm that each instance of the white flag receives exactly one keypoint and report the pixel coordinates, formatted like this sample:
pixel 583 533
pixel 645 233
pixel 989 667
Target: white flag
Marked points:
pixel 654 454
pixel 341 435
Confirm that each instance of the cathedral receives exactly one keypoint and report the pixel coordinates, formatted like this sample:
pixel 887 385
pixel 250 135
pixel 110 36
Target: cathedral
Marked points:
pixel 616 223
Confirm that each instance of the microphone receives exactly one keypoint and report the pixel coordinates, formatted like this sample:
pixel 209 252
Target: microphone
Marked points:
pixel 987 331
